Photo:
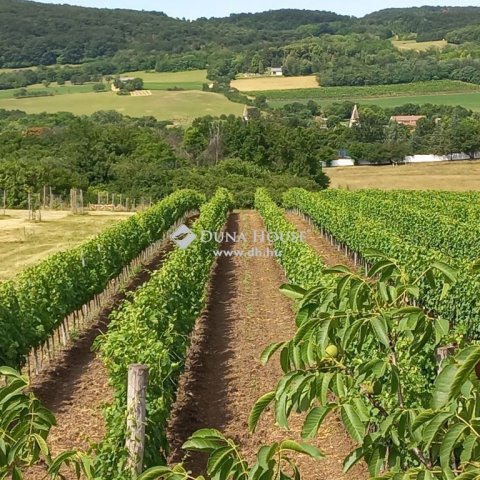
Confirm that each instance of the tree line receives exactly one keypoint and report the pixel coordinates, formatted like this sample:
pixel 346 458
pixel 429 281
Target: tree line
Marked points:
pixel 444 130
pixel 137 157
pixel 286 147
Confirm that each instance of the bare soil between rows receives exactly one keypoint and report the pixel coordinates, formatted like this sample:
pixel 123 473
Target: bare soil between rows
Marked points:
pixel 245 313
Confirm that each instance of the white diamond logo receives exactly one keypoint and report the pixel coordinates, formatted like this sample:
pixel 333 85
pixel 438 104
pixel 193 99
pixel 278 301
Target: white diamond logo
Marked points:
pixel 183 236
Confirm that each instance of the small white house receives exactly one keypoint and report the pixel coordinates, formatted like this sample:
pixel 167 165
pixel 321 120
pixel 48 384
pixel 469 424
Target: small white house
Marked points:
pixel 340 162
pixel 276 72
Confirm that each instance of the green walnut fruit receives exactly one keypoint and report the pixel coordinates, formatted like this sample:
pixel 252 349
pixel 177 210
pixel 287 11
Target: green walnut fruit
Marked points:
pixel 331 351
pixel 373 388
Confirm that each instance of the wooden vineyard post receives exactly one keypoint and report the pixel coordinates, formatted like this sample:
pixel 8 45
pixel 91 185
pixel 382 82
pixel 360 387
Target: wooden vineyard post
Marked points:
pixel 81 202
pixel 4 202
pixel 29 205
pixel 136 400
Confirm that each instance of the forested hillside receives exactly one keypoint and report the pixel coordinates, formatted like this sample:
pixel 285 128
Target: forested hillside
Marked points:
pixel 33 33
pixel 301 41
pixel 429 23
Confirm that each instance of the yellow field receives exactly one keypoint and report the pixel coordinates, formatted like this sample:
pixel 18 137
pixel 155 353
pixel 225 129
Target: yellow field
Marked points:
pixel 24 243
pixel 455 176
pixel 274 83
pixel 419 46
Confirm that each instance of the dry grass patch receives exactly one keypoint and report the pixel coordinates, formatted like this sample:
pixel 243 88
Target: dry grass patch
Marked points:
pixel 419 46
pixel 454 176
pixel 24 243
pixel 274 83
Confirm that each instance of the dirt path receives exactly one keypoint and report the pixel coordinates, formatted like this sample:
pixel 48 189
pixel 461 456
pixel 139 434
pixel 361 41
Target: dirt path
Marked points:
pixel 328 253
pixel 224 377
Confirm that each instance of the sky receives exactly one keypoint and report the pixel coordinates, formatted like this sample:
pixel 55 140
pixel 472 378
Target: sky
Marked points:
pixel 192 9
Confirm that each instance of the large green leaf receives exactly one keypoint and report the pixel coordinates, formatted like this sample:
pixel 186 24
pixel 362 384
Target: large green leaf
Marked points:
pixel 260 405
pixel 380 327
pixel 352 459
pixel 269 351
pixel 352 422
pixel 471 357
pixel 304 448
pixel 313 421
pixel 432 428
pixel 443 383
pixel 293 291
pixel 450 273
pixel 217 458
pixel 449 442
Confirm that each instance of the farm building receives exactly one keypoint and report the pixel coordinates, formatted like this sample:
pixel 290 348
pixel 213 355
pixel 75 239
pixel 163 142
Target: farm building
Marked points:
pixel 407 120
pixel 276 72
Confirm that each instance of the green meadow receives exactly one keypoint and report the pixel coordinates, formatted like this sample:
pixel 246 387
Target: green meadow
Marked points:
pixel 189 80
pixel 445 92
pixel 180 107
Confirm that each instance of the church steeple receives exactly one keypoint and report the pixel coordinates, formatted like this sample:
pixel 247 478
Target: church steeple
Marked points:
pixel 355 118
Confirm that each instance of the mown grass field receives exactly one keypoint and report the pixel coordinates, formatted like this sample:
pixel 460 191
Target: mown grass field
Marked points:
pixel 24 243
pixel 419 46
pixel 454 176
pixel 189 80
pixel 180 107
pixel 446 92
pixel 274 83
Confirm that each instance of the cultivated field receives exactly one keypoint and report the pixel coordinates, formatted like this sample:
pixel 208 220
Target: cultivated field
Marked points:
pixel 445 92
pixel 454 176
pixel 274 83
pixel 419 46
pixel 24 243
pixel 180 107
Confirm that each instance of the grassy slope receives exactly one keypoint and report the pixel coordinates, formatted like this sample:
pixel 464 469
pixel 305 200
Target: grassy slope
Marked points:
pixel 23 243
pixel 181 107
pixel 456 176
